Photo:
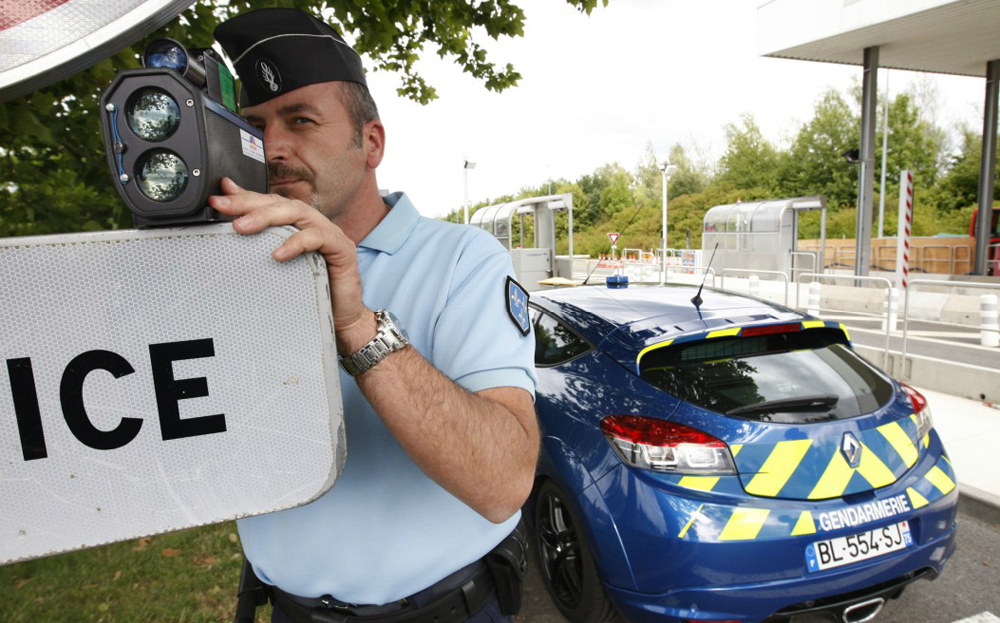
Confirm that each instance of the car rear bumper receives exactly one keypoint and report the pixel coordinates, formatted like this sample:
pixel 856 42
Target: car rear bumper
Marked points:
pixel 778 600
pixel 733 557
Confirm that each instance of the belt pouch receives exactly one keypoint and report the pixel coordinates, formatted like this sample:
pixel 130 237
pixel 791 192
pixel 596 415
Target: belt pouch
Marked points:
pixel 508 563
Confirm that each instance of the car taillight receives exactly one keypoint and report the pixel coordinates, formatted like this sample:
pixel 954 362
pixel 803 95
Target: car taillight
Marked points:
pixel 771 329
pixel 920 409
pixel 659 445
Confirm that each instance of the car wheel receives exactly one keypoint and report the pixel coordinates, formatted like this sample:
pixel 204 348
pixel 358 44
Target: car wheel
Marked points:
pixel 566 563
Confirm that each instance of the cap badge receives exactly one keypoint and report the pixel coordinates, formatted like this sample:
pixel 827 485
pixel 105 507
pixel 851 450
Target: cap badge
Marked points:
pixel 268 75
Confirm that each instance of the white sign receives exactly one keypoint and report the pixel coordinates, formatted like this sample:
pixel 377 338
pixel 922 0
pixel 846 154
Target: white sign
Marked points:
pixel 613 237
pixel 253 147
pixel 160 379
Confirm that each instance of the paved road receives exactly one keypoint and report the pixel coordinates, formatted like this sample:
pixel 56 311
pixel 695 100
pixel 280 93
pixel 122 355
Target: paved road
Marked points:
pixel 970 586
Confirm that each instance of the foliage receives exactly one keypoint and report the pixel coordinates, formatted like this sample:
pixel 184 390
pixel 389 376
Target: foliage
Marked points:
pixel 959 187
pixel 814 165
pixel 55 177
pixel 753 168
pixel 913 145
pixel 750 160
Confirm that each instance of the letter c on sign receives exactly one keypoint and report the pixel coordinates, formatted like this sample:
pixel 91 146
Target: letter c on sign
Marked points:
pixel 71 396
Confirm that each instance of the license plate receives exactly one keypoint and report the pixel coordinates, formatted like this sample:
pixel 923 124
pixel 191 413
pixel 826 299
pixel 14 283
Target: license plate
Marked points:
pixel 845 550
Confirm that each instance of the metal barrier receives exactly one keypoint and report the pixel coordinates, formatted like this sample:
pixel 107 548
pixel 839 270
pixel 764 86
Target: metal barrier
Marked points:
pixel 941 284
pixel 924 261
pixel 967 260
pixel 879 257
pixel 811 255
pixel 845 250
pixel 606 267
pixel 750 271
pixel 690 270
pixel 880 280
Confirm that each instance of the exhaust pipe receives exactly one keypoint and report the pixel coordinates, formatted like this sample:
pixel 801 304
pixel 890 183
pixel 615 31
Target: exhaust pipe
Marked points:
pixel 864 611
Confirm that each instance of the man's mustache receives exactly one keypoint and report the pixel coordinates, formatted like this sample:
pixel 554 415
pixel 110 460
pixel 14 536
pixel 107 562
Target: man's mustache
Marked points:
pixel 283 170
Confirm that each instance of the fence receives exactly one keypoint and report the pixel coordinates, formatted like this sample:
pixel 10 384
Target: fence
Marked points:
pixel 856 279
pixel 750 271
pixel 916 283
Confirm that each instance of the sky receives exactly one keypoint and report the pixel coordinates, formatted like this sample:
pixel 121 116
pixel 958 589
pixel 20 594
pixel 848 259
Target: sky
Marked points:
pixel 597 89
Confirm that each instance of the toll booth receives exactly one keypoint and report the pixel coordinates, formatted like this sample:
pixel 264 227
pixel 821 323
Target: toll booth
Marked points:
pixel 762 235
pixel 537 261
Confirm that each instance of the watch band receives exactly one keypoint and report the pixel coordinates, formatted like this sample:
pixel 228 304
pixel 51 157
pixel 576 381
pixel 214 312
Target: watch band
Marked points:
pixel 389 339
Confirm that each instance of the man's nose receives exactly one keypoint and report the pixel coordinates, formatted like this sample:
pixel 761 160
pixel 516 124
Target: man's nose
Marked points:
pixel 277 144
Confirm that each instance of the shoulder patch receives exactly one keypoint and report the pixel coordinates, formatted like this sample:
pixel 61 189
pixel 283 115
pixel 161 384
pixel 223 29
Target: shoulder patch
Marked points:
pixel 516 298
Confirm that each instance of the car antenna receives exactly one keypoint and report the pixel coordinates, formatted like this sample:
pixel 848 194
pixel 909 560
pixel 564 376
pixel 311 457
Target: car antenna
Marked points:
pixel 622 231
pixel 696 299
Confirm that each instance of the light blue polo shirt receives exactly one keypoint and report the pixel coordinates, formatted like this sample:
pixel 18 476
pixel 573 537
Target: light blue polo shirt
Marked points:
pixel 385 530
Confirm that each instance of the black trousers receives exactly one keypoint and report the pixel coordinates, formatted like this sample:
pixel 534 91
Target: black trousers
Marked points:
pixel 490 613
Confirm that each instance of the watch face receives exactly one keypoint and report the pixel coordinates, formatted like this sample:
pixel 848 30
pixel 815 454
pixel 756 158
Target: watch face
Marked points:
pixel 398 325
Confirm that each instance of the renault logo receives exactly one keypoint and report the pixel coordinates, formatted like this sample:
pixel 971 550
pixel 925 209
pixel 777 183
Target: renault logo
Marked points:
pixel 851 448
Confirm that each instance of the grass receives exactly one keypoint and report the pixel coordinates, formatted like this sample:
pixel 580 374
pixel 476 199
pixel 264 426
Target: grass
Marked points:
pixel 189 576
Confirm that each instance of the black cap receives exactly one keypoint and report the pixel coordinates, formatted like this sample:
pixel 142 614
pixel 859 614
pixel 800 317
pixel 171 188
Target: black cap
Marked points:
pixel 279 50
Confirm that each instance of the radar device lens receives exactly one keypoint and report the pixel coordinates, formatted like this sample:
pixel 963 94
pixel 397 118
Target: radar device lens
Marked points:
pixel 162 175
pixel 167 54
pixel 153 115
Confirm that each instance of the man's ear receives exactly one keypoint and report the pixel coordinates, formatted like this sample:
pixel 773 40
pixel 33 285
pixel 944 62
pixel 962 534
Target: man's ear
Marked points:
pixel 373 141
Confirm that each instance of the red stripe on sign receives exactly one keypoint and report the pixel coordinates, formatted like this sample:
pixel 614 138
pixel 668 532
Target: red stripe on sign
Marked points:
pixel 14 13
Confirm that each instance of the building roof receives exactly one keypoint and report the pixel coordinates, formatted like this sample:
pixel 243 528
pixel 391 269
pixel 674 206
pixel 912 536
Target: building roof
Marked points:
pixel 939 36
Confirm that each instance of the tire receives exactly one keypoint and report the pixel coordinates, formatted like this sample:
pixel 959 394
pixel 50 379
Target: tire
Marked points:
pixel 565 560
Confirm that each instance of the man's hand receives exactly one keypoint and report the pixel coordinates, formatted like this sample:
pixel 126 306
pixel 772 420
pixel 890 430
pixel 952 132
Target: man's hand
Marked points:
pixel 354 323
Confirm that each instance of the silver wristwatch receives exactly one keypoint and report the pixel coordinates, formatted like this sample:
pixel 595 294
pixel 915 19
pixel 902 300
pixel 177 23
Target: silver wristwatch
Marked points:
pixel 390 338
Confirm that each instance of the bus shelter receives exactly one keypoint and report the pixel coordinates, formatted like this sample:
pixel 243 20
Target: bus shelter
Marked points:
pixel 534 262
pixel 762 235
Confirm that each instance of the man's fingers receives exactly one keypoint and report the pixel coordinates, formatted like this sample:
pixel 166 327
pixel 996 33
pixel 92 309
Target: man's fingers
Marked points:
pixel 300 242
pixel 272 211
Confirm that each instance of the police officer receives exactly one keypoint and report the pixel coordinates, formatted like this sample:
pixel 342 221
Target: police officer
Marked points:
pixel 435 345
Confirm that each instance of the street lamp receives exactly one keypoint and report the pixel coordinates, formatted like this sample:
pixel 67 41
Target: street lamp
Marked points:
pixel 468 165
pixel 667 169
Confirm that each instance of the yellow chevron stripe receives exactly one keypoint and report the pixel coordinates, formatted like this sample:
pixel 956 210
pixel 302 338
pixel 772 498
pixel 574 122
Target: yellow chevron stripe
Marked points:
pixel 813 324
pixel 694 516
pixel 701 483
pixel 916 500
pixel 939 479
pixel 900 441
pixel 779 467
pixel 735 449
pixel 653 347
pixel 834 479
pixel 744 525
pixel 927 441
pixel 723 333
pixel 804 525
pixel 873 469
pixel 844 329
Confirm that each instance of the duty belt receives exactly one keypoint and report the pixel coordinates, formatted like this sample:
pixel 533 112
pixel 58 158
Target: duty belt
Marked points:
pixel 451 606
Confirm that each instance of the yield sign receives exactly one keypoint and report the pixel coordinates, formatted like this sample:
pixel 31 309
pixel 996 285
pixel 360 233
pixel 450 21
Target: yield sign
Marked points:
pixel 613 237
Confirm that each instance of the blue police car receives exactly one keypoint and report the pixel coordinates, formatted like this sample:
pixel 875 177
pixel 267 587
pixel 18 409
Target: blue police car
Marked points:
pixel 728 461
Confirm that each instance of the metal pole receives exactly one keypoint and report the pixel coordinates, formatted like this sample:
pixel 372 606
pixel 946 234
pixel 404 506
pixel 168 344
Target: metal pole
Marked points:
pixel 663 250
pixel 987 167
pixel 466 169
pixel 866 172
pixel 885 149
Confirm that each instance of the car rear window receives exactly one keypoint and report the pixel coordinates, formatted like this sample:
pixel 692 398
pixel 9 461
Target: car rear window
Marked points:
pixel 802 376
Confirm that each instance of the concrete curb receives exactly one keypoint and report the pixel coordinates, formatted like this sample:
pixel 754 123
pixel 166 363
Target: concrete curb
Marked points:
pixel 980 504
